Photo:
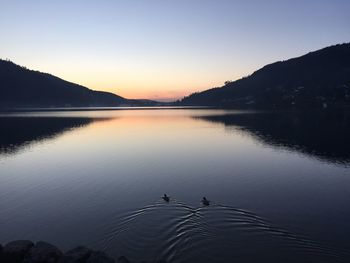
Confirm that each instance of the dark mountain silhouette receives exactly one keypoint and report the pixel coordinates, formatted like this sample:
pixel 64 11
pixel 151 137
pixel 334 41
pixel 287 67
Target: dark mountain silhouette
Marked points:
pixel 320 134
pixel 20 87
pixel 317 79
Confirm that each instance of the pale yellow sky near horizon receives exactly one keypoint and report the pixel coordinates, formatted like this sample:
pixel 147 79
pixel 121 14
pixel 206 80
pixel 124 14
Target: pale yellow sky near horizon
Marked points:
pixel 136 82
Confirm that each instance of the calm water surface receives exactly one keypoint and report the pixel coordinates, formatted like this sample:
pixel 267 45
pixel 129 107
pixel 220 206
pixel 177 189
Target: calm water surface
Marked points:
pixel 279 184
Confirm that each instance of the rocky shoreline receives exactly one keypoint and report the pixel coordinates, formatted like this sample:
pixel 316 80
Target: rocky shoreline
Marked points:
pixel 26 251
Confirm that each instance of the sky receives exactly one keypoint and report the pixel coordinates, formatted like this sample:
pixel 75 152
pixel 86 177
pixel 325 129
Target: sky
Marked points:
pixel 164 49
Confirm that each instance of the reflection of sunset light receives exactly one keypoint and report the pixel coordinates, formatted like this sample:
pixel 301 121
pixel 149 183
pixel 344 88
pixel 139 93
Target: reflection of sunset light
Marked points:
pixel 122 132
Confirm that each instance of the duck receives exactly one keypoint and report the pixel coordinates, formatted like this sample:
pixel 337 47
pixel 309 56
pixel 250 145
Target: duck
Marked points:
pixel 205 201
pixel 166 198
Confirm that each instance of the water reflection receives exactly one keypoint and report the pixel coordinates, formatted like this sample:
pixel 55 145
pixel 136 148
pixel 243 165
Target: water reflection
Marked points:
pixel 75 180
pixel 18 133
pixel 324 135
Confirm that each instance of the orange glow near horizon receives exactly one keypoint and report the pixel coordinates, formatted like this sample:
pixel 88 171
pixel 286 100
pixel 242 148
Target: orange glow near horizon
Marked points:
pixel 132 82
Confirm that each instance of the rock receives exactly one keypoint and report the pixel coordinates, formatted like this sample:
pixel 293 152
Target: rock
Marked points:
pixel 24 251
pixel 99 257
pixel 76 255
pixel 123 259
pixel 43 252
pixel 15 251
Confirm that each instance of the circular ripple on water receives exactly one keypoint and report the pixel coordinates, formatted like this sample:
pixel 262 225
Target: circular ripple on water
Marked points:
pixel 177 232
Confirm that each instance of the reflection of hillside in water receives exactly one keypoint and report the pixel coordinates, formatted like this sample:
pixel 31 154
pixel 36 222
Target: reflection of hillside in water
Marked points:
pixel 324 135
pixel 17 133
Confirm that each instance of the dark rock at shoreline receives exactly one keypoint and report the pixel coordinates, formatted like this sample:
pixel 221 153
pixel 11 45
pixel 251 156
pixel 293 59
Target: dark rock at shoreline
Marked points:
pixel 43 252
pixel 16 251
pixel 99 257
pixel 123 259
pixel 76 255
pixel 24 251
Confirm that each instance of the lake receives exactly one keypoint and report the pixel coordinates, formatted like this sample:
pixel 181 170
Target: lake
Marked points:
pixel 278 183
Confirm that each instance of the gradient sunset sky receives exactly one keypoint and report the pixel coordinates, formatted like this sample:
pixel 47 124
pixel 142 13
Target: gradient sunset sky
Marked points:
pixel 164 49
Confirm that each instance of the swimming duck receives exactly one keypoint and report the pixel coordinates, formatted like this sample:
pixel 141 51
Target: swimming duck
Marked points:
pixel 205 201
pixel 166 198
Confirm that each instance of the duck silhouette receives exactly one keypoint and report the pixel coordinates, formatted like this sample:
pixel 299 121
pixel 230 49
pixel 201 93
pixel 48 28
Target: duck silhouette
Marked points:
pixel 166 198
pixel 205 201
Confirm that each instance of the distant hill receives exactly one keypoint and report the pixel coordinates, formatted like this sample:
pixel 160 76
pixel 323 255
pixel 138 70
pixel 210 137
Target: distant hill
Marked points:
pixel 21 87
pixel 317 79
